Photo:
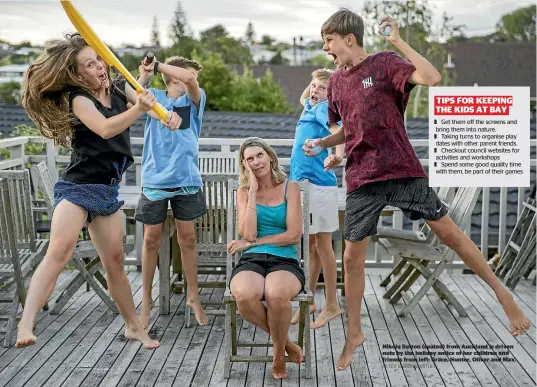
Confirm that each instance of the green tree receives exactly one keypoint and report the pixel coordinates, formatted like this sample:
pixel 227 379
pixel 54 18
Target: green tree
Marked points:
pixel 250 33
pixel 227 90
pixel 178 26
pixel 517 26
pixel 322 61
pixel 10 93
pixel 267 40
pixel 155 33
pixel 216 39
pixel 217 80
pixel 278 59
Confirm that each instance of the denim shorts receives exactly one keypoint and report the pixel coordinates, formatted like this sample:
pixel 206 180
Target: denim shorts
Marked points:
pixel 97 199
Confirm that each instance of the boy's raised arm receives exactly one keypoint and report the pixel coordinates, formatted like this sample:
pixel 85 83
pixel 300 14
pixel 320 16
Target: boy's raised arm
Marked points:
pixel 426 74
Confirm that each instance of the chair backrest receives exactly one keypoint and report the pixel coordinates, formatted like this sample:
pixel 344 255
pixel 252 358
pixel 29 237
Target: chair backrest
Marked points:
pixel 21 207
pixel 211 228
pixel 8 242
pixel 41 175
pixel 216 163
pixel 303 253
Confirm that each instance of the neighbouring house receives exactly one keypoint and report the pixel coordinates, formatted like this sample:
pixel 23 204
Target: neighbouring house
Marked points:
pixel 13 73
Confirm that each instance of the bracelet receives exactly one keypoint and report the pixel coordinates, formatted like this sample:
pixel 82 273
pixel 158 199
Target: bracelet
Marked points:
pixel 155 69
pixel 252 208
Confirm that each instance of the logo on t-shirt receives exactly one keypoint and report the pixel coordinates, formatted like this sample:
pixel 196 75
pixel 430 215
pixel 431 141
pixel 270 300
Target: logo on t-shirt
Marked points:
pixel 368 82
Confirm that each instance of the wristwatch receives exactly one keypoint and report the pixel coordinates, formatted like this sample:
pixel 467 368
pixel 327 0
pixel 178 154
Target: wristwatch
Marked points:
pixel 155 68
pixel 255 242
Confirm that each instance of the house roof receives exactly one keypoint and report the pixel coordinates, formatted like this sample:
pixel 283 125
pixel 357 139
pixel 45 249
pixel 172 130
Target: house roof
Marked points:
pixel 487 64
pixel 494 64
pixel 292 79
pixel 282 126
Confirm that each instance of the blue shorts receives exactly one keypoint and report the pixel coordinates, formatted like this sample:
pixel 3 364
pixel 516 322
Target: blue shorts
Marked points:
pixel 97 199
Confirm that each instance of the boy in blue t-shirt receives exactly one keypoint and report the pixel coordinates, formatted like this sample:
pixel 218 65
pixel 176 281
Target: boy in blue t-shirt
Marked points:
pixel 313 123
pixel 170 173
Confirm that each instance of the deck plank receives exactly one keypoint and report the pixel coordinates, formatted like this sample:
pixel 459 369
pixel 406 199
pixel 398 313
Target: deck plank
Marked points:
pixel 84 345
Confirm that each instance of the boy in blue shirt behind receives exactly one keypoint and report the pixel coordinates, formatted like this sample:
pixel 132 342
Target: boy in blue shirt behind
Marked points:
pixel 313 123
pixel 170 173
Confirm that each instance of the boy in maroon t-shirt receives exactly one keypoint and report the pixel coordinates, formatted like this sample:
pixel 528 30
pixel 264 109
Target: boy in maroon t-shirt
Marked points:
pixel 369 94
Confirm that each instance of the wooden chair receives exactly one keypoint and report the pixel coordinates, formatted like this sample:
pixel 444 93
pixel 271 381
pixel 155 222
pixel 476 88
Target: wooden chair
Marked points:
pixel 20 251
pixel 305 298
pixel 211 239
pixel 42 183
pixel 446 195
pixel 85 257
pixel 419 254
pixel 518 258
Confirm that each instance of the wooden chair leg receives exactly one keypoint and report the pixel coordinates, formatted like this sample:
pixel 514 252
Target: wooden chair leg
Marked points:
pixel 67 293
pixel 424 289
pixel 410 281
pixel 397 284
pixel 12 322
pixel 307 342
pixel 228 343
pixel 94 285
pixel 394 272
pixel 164 270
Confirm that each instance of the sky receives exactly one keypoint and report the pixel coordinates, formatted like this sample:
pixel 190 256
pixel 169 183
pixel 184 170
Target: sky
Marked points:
pixel 129 21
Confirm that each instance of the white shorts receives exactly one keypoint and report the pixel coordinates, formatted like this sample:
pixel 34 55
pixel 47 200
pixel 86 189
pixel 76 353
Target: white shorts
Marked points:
pixel 323 209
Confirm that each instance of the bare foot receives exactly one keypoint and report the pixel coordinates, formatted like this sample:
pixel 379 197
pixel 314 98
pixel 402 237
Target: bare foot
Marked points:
pixel 518 322
pixel 196 306
pixel 278 369
pixel 25 337
pixel 145 311
pixel 296 316
pixel 345 359
pixel 293 351
pixel 326 315
pixel 141 336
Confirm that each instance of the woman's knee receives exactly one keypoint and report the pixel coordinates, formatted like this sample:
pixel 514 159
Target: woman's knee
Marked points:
pixel 60 252
pixel 277 296
pixel 245 297
pixel 114 262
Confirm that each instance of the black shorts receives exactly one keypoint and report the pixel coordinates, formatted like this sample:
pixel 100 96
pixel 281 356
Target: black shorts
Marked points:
pixel 184 207
pixel 412 195
pixel 264 264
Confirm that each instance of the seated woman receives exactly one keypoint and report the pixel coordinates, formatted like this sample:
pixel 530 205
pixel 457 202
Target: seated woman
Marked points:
pixel 270 223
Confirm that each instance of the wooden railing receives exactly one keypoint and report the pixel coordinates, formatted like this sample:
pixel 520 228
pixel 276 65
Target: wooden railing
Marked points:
pixel 225 161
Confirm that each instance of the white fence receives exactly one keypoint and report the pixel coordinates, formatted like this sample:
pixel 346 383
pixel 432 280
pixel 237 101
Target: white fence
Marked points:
pixel 225 161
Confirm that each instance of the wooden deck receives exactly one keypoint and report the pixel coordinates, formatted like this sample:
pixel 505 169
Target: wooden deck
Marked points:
pixel 84 345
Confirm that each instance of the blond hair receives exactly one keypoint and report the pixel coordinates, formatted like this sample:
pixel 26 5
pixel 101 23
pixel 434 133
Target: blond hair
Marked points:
pixel 47 83
pixel 343 23
pixel 278 175
pixel 182 62
pixel 322 74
